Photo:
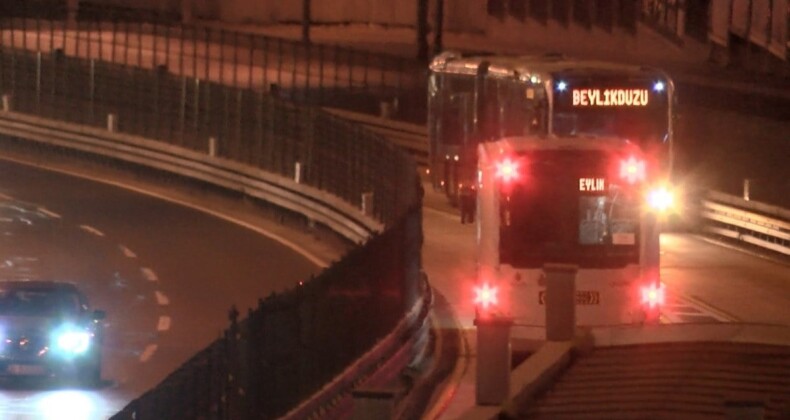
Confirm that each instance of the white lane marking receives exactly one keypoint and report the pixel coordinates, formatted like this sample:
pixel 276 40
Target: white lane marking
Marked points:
pixel 161 299
pixel 92 230
pixel 49 213
pixel 149 274
pixel 164 323
pixel 699 309
pixel 148 352
pixel 127 252
pixel 285 242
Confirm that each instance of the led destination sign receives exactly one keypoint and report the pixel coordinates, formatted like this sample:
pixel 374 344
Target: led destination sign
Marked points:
pixel 610 97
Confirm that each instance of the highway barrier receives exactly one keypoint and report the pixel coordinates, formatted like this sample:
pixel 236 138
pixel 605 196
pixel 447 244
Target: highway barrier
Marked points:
pixel 758 224
pixel 300 159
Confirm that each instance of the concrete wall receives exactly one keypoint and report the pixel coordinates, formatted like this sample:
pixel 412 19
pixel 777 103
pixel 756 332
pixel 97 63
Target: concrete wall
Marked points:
pixel 166 6
pixel 460 15
pixel 386 12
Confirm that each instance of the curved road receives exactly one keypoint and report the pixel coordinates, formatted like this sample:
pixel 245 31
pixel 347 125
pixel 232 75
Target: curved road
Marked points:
pixel 165 273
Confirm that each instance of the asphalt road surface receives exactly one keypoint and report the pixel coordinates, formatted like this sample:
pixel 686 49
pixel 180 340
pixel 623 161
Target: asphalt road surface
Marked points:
pixel 165 274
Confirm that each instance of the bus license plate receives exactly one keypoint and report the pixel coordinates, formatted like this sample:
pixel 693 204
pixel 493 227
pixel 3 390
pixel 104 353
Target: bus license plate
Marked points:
pixel 583 297
pixel 26 370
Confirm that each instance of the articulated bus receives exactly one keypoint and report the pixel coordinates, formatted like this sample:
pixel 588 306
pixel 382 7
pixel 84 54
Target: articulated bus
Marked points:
pixel 476 99
pixel 569 201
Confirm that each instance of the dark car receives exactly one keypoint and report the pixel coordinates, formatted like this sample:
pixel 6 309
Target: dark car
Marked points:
pixel 48 330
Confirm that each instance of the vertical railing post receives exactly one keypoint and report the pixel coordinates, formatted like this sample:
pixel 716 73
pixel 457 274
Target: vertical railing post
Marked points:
pixel 92 90
pixel 320 74
pixel 114 34
pixel 251 63
pixel 140 44
pixel 235 58
pixel 38 81
pixel 222 56
pixel 207 58
pixel 746 189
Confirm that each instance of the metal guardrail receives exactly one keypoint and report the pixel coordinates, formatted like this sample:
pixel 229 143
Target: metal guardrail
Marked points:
pixel 412 138
pixel 754 223
pixel 316 205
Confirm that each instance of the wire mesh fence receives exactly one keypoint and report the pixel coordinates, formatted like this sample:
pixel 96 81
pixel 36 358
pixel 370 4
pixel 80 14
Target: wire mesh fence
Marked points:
pixel 294 342
pixel 306 73
pixel 238 124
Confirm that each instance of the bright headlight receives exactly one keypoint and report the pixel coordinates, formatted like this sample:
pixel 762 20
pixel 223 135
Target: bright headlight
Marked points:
pixel 73 341
pixel 661 199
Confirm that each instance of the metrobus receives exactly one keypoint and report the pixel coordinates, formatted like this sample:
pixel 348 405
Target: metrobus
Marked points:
pixel 475 99
pixel 576 202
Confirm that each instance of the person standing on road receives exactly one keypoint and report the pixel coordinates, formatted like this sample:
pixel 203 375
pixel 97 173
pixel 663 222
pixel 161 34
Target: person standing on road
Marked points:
pixel 468 203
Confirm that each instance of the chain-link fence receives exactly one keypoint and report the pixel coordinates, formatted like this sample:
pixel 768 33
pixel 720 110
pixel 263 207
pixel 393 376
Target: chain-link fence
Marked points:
pixel 293 343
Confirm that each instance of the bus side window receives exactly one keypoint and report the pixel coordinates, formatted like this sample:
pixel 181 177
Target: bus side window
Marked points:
pixel 455 120
pixel 489 110
pixel 538 116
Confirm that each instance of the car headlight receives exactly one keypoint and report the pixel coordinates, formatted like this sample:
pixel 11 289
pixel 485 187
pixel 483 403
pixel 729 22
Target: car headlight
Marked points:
pixel 72 341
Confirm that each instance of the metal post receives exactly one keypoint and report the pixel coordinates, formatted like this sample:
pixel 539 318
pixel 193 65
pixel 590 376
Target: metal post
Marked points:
pixel 112 123
pixel 114 34
pixel 367 203
pixel 222 56
pixel 298 173
pixel 38 78
pixel 746 187
pixel 92 88
pixel 140 44
pixel 251 64
pixel 207 58
pixel 182 112
pixel 197 103
pixel 492 384
pixel 235 58
pixel 321 74
pixel 212 146
pixel 560 301
pixel 154 38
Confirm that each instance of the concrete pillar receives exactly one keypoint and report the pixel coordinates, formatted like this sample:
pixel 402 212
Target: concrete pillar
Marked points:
pixel 560 301
pixel 493 360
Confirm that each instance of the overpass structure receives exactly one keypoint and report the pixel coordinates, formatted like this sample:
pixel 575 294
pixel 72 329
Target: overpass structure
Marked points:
pixel 227 164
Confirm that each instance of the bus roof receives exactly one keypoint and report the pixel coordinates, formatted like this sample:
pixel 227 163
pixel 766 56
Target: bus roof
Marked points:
pixel 575 143
pixel 543 66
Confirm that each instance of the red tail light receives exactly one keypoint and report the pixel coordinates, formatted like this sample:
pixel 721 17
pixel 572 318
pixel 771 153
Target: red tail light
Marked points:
pixel 486 296
pixel 633 170
pixel 653 295
pixel 507 170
